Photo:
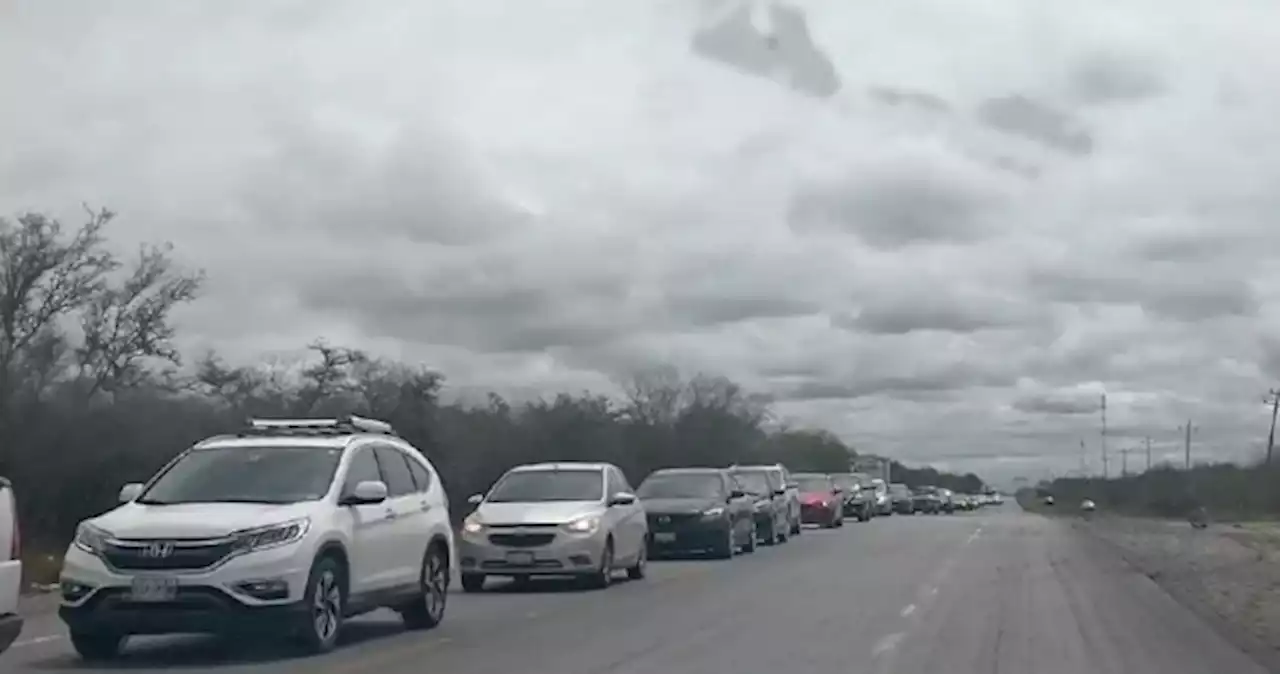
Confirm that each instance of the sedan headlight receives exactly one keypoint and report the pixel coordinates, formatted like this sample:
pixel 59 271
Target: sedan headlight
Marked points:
pixel 275 535
pixel 472 525
pixel 91 539
pixel 583 525
pixel 712 513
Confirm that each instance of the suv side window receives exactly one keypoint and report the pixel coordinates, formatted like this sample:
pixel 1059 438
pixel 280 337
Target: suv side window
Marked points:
pixel 613 482
pixel 421 476
pixel 395 471
pixel 362 468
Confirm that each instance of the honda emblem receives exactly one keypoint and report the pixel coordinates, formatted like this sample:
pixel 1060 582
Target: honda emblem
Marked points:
pixel 158 550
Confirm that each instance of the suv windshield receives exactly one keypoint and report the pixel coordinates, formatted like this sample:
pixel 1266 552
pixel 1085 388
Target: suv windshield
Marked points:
pixel 754 481
pixel 681 485
pixel 531 486
pixel 246 475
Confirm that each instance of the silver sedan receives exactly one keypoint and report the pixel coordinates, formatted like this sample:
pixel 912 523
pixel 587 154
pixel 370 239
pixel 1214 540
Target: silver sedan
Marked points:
pixel 555 519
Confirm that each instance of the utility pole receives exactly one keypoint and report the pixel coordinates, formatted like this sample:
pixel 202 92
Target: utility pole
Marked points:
pixel 1105 472
pixel 1124 462
pixel 1084 465
pixel 1148 453
pixel 1273 397
pixel 1187 443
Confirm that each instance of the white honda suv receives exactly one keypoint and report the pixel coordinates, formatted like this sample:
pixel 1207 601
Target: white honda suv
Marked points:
pixel 290 525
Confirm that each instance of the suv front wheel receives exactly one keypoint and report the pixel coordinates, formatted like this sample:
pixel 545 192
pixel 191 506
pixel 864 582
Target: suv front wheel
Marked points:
pixel 325 606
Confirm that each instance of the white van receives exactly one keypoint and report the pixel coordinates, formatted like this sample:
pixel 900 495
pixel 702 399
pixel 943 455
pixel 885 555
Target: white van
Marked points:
pixel 10 567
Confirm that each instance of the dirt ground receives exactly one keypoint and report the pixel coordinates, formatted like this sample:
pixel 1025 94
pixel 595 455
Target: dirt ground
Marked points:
pixel 1228 572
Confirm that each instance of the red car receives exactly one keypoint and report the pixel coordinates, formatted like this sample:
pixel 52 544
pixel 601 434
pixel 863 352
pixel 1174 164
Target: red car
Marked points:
pixel 821 500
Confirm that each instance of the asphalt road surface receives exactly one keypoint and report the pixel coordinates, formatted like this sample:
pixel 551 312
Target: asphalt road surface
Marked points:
pixel 988 592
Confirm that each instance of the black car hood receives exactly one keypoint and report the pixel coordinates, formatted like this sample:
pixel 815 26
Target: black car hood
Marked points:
pixel 679 506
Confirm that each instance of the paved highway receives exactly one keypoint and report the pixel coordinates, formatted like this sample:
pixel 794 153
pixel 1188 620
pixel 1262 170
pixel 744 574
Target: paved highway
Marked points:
pixel 988 592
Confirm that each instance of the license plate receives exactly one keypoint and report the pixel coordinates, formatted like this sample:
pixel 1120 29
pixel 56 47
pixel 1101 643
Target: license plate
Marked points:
pixel 520 558
pixel 147 589
pixel 664 537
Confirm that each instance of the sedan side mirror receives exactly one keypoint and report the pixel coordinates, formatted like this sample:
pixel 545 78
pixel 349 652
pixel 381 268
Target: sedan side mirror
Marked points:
pixel 130 491
pixel 367 492
pixel 622 498
pixel 475 499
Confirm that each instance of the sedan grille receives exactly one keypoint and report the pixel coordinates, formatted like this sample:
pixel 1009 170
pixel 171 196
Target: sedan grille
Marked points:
pixel 521 540
pixel 661 522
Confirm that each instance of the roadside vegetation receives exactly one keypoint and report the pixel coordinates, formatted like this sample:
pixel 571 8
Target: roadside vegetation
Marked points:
pixel 1225 491
pixel 94 394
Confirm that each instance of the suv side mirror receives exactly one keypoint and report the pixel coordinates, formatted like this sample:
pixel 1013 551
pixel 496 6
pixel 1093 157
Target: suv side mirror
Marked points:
pixel 475 499
pixel 367 492
pixel 622 498
pixel 130 491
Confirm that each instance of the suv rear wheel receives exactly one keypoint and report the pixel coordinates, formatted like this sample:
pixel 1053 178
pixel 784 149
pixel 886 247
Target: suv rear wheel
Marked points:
pixel 427 610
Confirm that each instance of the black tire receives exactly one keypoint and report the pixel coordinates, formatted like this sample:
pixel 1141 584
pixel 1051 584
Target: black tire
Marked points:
pixel 473 582
pixel 427 609
pixel 768 537
pixel 97 646
pixel 797 527
pixel 725 549
pixel 603 577
pixel 637 571
pixel 750 546
pixel 326 601
pixel 783 533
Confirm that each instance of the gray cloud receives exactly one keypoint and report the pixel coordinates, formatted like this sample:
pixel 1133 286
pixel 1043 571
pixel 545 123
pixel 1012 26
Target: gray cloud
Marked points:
pixel 1025 117
pixel 869 227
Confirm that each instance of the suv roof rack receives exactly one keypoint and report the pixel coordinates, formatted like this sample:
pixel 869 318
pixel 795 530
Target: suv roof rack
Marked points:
pixel 344 425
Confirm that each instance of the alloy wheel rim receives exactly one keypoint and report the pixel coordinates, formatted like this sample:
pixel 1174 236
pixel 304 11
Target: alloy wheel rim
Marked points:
pixel 436 585
pixel 326 606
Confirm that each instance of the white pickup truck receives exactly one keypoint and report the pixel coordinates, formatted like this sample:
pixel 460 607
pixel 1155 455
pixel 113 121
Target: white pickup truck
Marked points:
pixel 10 567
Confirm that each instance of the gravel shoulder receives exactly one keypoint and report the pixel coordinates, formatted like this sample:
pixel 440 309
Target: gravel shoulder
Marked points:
pixel 1228 573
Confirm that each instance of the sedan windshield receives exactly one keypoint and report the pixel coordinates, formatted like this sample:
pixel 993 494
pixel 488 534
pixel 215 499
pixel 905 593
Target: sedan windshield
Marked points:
pixel 246 475
pixel 814 483
pixel 533 486
pixel 681 485
pixel 754 481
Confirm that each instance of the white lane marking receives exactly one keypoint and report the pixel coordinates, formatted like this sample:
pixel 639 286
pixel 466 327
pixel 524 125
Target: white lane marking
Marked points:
pixel 911 608
pixel 887 644
pixel 974 536
pixel 36 640
pixel 932 591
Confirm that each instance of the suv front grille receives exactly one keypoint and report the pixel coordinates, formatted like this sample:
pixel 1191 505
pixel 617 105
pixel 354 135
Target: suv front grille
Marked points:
pixel 165 555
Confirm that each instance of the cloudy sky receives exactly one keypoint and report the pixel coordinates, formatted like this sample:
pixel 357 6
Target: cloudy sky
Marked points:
pixel 940 229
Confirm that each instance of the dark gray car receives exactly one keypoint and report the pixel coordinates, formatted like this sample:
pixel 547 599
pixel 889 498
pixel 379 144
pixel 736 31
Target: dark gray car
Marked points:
pixel 697 510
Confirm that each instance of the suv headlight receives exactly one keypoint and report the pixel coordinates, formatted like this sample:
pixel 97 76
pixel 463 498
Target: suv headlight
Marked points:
pixel 712 513
pixel 91 539
pixel 275 535
pixel 583 525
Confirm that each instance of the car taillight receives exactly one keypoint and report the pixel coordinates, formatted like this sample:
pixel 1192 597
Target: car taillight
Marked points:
pixel 15 546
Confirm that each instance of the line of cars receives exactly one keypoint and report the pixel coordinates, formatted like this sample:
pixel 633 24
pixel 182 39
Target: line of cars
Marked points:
pixel 293 526
pixel 931 500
